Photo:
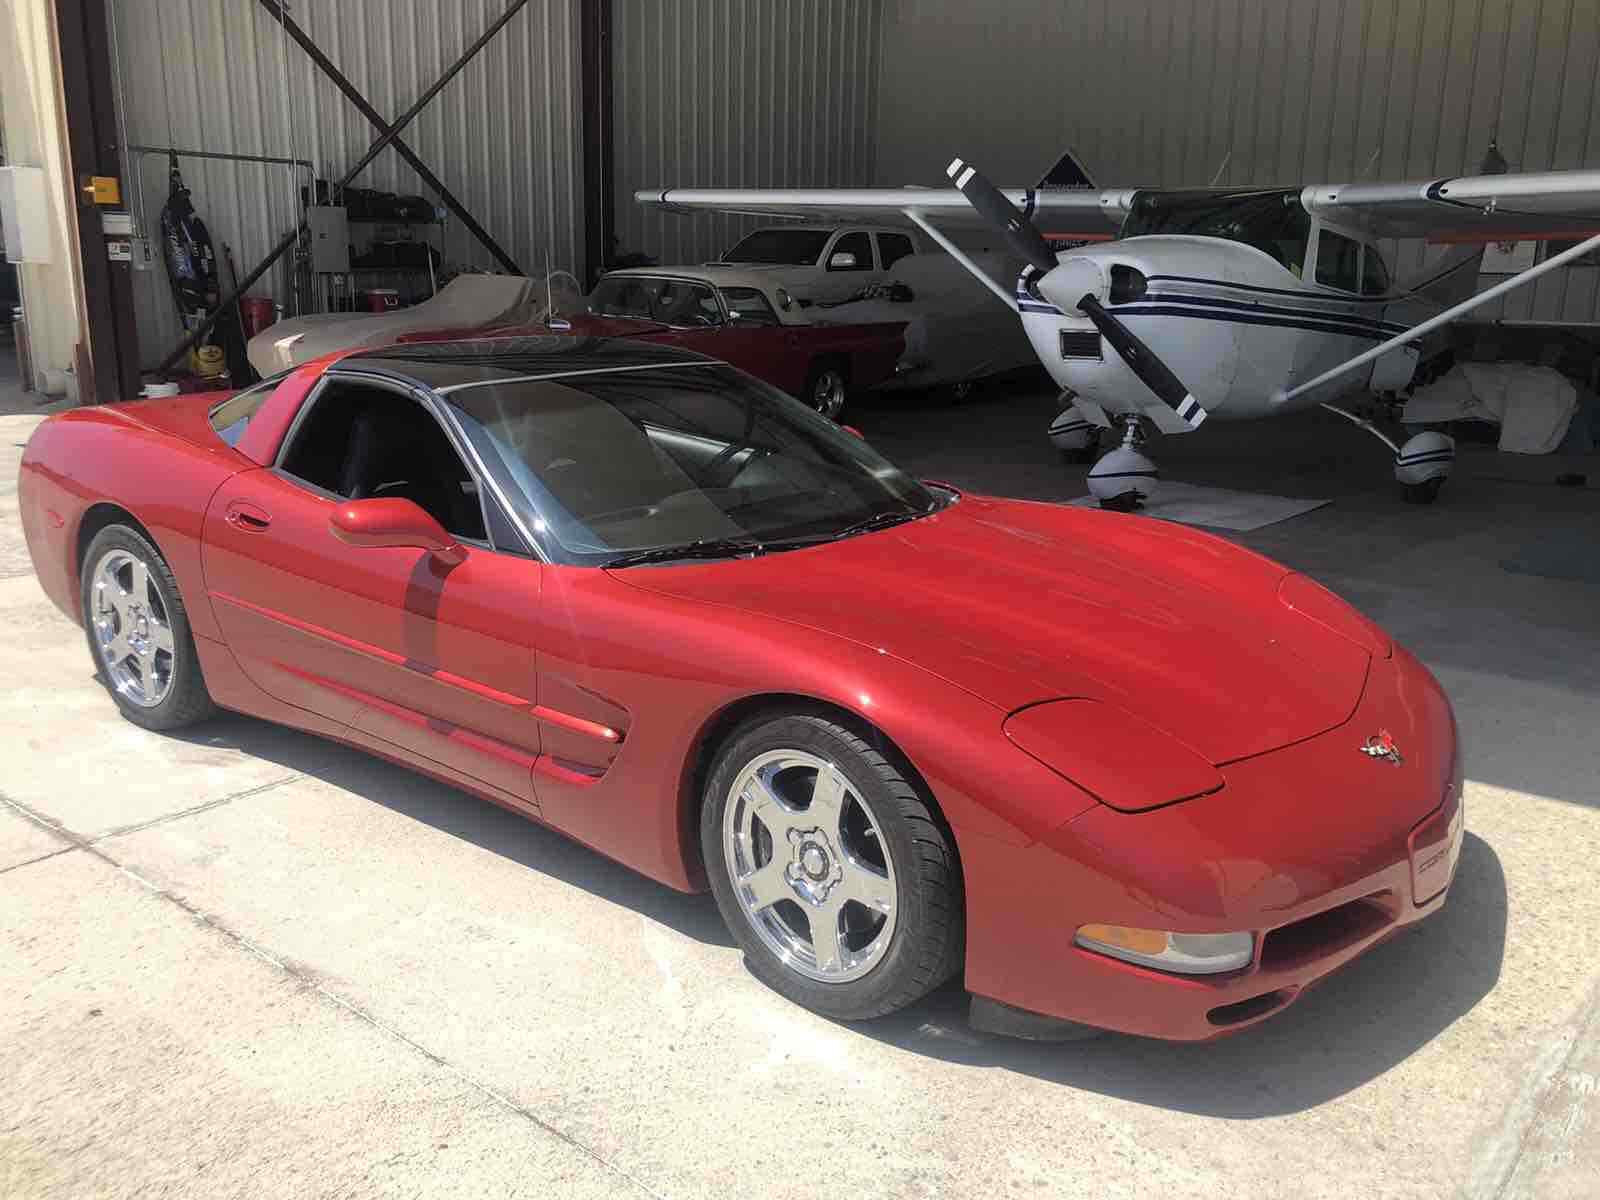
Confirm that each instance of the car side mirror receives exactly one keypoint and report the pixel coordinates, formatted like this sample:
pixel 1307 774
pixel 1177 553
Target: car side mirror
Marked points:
pixel 842 261
pixel 392 521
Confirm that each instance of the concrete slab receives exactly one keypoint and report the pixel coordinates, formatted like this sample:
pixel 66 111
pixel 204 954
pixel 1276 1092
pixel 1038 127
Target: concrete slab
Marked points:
pixel 22 841
pixel 144 1051
pixel 93 771
pixel 1459 1060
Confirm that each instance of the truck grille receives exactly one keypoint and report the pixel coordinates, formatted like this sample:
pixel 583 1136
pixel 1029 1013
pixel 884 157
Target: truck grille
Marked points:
pixel 1080 344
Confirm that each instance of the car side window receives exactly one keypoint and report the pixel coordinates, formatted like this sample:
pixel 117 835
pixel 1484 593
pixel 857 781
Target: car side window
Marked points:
pixel 858 245
pixel 1374 277
pixel 748 306
pixel 364 442
pixel 232 417
pixel 1338 261
pixel 892 247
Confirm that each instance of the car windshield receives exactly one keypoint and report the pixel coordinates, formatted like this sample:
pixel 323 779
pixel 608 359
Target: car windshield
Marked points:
pixel 605 466
pixel 1273 222
pixel 780 247
pixel 680 302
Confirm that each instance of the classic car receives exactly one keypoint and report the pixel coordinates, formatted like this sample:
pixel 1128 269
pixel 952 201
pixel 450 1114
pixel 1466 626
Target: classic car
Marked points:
pixel 1113 771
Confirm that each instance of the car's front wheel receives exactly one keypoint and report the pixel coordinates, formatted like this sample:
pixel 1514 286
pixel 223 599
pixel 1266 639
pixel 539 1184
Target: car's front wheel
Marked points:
pixel 830 868
pixel 139 631
pixel 827 388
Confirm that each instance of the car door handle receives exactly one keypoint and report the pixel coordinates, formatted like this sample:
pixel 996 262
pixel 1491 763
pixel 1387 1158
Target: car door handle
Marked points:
pixel 251 518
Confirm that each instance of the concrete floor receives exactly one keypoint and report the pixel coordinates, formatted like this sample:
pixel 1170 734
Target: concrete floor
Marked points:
pixel 246 962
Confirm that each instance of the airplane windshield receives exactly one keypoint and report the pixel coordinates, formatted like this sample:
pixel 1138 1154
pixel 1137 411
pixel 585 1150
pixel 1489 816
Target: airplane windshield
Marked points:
pixel 780 247
pixel 1273 222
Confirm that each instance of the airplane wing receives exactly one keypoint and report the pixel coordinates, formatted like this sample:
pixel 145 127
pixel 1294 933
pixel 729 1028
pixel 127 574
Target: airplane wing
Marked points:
pixel 1081 211
pixel 1470 207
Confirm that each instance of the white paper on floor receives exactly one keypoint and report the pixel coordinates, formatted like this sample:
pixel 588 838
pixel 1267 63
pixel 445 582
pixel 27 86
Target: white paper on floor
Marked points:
pixel 1217 508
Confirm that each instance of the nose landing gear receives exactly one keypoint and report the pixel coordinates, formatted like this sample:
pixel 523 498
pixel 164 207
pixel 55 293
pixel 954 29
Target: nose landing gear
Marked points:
pixel 1124 479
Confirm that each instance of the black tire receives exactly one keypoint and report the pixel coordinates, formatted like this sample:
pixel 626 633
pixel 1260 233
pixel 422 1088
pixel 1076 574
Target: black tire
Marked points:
pixel 1425 492
pixel 927 944
pixel 186 699
pixel 827 387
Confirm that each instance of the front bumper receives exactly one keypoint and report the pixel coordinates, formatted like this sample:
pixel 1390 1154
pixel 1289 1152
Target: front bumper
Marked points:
pixel 1319 850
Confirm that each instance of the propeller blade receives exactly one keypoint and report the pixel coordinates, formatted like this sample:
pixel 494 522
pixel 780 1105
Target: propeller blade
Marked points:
pixel 1154 373
pixel 992 206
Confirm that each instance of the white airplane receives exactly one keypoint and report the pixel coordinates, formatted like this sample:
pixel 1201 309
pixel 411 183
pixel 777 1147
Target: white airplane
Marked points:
pixel 1246 303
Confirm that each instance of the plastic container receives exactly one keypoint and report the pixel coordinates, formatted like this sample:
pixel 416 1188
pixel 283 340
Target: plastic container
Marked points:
pixel 159 391
pixel 381 300
pixel 258 313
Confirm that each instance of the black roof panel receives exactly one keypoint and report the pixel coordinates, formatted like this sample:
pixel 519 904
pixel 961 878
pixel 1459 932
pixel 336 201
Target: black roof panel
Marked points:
pixel 484 360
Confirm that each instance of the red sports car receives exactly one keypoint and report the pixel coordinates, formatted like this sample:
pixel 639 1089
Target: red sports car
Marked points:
pixel 1119 773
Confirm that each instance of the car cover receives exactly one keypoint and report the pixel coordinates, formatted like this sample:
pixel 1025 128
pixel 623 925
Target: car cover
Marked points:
pixel 466 302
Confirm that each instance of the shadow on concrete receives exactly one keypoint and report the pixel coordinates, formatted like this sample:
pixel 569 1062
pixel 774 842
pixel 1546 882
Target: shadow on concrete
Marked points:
pixel 510 835
pixel 1356 1025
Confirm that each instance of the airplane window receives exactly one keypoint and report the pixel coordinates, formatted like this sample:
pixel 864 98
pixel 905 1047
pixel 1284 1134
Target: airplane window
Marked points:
pixel 1374 278
pixel 1338 259
pixel 1273 222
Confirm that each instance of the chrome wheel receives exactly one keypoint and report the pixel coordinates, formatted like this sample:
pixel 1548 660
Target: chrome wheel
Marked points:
pixel 809 865
pixel 132 629
pixel 828 393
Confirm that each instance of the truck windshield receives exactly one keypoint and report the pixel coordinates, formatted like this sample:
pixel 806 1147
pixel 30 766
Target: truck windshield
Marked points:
pixel 780 247
pixel 1273 222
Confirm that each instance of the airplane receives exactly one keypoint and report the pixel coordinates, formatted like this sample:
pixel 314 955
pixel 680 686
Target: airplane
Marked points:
pixel 1247 303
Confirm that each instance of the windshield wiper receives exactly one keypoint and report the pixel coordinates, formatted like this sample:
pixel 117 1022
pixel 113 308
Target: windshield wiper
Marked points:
pixel 881 520
pixel 699 548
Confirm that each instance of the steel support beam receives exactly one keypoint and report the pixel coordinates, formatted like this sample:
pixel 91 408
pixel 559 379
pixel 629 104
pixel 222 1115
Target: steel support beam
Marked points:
pixel 373 151
pixel 108 354
pixel 599 160
pixel 446 196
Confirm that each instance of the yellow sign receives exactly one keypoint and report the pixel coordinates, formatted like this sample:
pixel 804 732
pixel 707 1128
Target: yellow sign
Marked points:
pixel 103 189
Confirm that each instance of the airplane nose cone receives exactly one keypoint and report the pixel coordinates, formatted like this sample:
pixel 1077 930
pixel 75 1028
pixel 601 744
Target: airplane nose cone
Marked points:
pixel 1070 281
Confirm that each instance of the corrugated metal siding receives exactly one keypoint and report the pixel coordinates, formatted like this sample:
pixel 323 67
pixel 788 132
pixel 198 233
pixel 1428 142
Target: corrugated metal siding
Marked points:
pixel 504 136
pixel 1152 92
pixel 738 93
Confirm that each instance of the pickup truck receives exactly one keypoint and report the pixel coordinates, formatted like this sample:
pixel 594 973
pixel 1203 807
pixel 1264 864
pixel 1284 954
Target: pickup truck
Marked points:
pixel 821 264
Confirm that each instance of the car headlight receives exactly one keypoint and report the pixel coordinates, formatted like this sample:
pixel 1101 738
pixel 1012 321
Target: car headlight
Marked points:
pixel 1183 953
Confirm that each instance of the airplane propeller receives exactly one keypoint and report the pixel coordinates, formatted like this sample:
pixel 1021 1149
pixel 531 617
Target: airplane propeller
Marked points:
pixel 1029 244
pixel 993 207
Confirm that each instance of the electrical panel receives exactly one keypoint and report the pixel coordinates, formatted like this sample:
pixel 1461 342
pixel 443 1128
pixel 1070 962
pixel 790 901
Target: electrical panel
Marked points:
pixel 330 239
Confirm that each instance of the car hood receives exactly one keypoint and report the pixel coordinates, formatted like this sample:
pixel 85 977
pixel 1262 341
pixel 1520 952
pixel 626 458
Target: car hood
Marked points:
pixel 1019 602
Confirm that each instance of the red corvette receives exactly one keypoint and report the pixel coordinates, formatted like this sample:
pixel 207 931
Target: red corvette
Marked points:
pixel 1119 773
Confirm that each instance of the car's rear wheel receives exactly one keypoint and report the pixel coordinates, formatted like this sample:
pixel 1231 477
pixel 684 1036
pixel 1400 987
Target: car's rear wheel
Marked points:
pixel 830 868
pixel 139 632
pixel 827 388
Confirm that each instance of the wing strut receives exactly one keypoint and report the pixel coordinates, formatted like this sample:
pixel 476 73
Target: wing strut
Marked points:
pixel 955 252
pixel 1444 318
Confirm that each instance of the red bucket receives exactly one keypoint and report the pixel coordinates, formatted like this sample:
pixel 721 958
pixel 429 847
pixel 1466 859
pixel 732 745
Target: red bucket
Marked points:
pixel 382 299
pixel 258 314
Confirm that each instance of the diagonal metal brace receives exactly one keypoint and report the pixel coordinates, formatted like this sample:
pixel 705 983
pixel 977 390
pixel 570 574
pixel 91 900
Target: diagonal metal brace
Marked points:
pixel 446 197
pixel 377 148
